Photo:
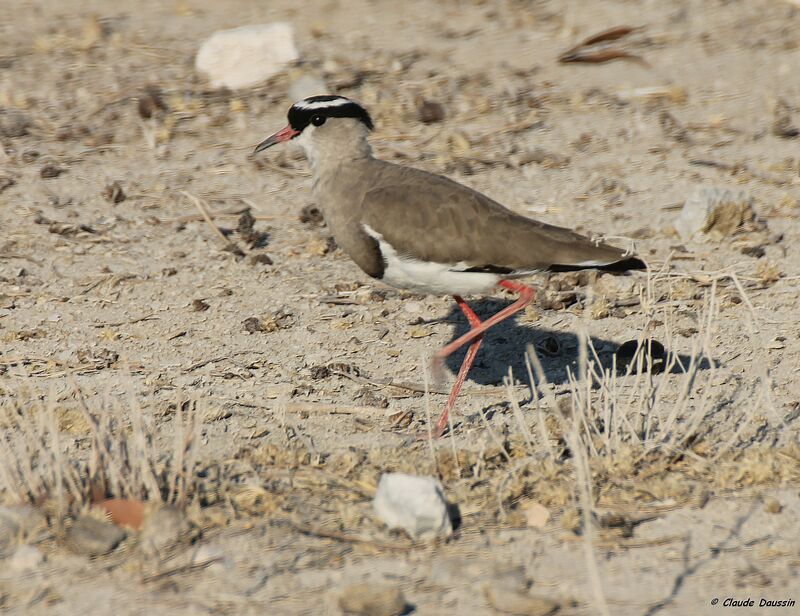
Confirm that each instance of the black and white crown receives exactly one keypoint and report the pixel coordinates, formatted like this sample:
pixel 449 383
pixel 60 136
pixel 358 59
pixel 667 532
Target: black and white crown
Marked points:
pixel 326 106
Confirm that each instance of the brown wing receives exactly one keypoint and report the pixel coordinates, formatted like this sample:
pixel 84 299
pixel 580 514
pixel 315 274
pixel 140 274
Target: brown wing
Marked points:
pixel 431 218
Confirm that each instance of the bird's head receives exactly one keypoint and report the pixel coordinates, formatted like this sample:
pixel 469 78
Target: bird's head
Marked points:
pixel 324 126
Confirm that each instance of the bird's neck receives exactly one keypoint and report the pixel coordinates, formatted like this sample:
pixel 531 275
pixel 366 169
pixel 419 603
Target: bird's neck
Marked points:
pixel 328 159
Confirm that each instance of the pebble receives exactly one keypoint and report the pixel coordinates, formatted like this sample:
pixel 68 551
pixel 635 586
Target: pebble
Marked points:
pixel 213 557
pixel 536 514
pixel 713 213
pixel 14 124
pixel 246 56
pixel 164 528
pixel 616 286
pixel 25 557
pixel 430 112
pixel 413 307
pixel 19 523
pixel 519 603
pixel 92 537
pixel 415 504
pixel 369 599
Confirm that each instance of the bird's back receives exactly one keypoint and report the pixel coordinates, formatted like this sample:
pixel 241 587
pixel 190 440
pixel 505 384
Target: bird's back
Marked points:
pixel 432 218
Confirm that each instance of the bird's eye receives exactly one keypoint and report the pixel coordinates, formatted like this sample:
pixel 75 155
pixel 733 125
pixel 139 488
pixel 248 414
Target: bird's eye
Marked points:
pixel 318 120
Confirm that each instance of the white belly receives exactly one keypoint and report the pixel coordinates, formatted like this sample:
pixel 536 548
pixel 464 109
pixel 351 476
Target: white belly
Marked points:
pixel 428 277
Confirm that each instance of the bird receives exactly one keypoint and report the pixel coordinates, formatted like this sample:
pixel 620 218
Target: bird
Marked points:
pixel 426 233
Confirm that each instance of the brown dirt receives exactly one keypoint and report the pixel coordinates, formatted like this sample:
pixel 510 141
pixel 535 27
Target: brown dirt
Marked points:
pixel 110 283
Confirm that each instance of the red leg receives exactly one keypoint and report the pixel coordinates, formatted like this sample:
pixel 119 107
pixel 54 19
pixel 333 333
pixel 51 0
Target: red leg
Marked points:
pixel 474 322
pixel 475 336
pixel 525 297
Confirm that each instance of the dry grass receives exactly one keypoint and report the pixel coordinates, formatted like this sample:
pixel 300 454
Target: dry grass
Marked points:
pixel 633 443
pixel 41 466
pixel 622 433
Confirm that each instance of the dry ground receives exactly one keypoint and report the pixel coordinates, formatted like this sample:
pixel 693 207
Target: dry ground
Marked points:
pixel 134 303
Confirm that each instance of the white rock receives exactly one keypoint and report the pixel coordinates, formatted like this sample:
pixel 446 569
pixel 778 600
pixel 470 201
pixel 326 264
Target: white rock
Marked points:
pixel 212 556
pixel 415 504
pixel 412 307
pixel 246 56
pixel 616 286
pixel 713 212
pixel 306 86
pixel 25 557
pixel 163 529
pixel 19 523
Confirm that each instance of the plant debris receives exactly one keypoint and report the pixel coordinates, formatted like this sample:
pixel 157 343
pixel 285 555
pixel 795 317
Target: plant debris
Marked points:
pixel 782 126
pixel 430 111
pixel 50 171
pixel 113 193
pixel 596 49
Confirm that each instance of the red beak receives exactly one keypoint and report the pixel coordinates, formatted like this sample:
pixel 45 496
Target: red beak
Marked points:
pixel 282 135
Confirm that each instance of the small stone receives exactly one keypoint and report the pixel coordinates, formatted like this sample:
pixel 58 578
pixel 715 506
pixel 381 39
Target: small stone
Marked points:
pixel 368 599
pixel 19 523
pixel 25 557
pixel 164 528
pixel 754 251
pixel 616 286
pixel 246 56
pixel 212 557
pixel 413 307
pixel 782 126
pixel 543 157
pixel 113 193
pixel 320 372
pixel 369 397
pixel 216 414
pixel 253 325
pixel 245 227
pixel 150 103
pixel 92 537
pixel 261 259
pixel 522 604
pixel 714 213
pixel 199 305
pixel 50 171
pixel 312 216
pixel 773 505
pixel 14 124
pixel 536 514
pixel 430 112
pixel 415 504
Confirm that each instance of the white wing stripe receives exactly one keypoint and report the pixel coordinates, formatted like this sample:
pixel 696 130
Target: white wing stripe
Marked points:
pixel 427 276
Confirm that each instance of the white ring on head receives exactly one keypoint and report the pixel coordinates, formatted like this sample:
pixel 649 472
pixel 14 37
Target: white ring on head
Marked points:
pixel 336 102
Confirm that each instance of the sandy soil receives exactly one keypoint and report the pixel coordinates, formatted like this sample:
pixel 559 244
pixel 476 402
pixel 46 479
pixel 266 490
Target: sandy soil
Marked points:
pixel 135 298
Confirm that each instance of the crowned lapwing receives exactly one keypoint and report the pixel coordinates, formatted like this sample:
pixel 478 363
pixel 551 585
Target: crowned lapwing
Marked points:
pixel 423 232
